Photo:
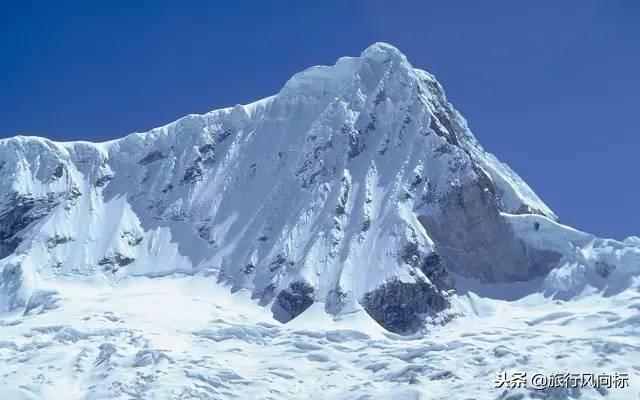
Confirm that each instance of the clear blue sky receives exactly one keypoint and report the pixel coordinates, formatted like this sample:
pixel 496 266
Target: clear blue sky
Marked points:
pixel 551 87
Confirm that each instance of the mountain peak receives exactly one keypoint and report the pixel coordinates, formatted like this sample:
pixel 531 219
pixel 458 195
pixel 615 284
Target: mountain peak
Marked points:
pixel 355 187
pixel 381 52
pixel 324 80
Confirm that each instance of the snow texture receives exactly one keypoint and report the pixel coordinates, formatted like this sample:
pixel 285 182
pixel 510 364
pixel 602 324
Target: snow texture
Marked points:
pixel 345 238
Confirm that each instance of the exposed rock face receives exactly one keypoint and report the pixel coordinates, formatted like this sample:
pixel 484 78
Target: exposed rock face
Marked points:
pixel 474 239
pixel 431 265
pixel 11 286
pixel 114 261
pixel 357 185
pixel 335 301
pixel 292 301
pixel 20 210
pixel 151 158
pixel 401 307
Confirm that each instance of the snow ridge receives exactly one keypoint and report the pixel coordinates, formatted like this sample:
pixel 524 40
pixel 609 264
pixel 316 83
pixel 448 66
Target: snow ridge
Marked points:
pixel 357 186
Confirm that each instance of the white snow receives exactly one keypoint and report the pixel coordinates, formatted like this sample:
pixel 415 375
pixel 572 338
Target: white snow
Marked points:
pixel 185 337
pixel 140 263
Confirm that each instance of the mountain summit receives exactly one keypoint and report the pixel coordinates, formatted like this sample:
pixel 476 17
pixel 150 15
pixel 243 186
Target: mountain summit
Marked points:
pixel 357 186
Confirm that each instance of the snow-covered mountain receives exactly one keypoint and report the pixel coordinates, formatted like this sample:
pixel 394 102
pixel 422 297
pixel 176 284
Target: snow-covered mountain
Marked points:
pixel 358 185
pixel 267 251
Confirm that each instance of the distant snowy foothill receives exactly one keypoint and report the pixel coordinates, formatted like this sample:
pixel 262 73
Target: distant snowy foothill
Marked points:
pixel 347 237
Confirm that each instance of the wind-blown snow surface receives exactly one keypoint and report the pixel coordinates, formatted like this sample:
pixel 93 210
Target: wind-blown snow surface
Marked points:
pixel 268 250
pixel 186 338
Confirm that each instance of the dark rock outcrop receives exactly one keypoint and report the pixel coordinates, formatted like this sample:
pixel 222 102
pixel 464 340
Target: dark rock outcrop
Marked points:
pixel 474 239
pixel 58 240
pixel 11 282
pixel 103 180
pixel 335 301
pixel 18 212
pixel 401 307
pixel 292 301
pixel 154 156
pixel 115 261
pixel 58 172
pixel 193 174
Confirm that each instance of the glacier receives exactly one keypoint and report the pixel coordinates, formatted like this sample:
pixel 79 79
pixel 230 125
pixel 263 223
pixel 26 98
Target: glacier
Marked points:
pixel 348 233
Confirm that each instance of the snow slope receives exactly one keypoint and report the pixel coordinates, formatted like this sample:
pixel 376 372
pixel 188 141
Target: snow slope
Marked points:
pixel 180 337
pixel 304 226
